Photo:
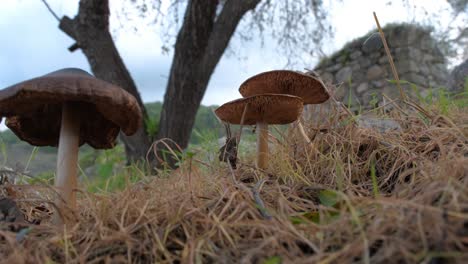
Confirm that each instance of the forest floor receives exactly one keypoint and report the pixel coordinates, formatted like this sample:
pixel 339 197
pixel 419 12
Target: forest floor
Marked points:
pixel 355 195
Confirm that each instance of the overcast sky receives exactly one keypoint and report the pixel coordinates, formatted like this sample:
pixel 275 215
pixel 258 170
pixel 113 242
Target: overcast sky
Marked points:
pixel 32 45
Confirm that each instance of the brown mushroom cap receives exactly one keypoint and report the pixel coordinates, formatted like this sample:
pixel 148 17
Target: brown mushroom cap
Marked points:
pixel 309 88
pixel 34 108
pixel 265 108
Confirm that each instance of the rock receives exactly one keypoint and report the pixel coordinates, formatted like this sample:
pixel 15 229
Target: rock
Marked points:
pixel 344 75
pixel 362 88
pixel 355 55
pixel 334 67
pixel 458 79
pixel 374 56
pixel 377 84
pixel 374 72
pixel 414 54
pixel 327 77
pixel 355 67
pixel 372 44
pixel 406 66
pixel 9 211
pixel 382 125
pixel 350 99
pixel 383 60
pixel 417 58
pixel 424 69
pixel 364 62
pixel 419 80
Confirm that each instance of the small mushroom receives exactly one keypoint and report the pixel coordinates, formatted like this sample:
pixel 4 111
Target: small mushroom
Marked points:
pixel 309 88
pixel 68 108
pixel 262 110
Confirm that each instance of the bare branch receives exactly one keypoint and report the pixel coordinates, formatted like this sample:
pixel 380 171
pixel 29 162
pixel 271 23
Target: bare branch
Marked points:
pixel 50 10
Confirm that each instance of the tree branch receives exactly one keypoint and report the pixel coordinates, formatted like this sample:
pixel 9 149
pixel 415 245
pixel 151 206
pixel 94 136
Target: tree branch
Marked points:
pixel 50 10
pixel 68 26
pixel 224 28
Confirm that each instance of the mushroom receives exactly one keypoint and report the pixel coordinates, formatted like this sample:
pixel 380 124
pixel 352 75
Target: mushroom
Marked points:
pixel 309 88
pixel 68 108
pixel 262 110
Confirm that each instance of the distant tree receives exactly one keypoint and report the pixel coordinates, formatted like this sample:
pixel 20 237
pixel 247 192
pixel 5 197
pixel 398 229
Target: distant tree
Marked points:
pixel 459 6
pixel 203 36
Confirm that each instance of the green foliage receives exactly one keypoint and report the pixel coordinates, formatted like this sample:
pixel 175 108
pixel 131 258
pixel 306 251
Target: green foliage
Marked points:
pixel 440 98
pixel 152 127
pixel 205 120
pixel 42 178
pixel 328 198
pixel 273 260
pixel 3 151
pixel 152 121
pixel 110 173
pixel 375 185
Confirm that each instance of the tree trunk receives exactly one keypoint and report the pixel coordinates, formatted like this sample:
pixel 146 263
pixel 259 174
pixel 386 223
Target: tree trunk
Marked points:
pixel 90 30
pixel 200 44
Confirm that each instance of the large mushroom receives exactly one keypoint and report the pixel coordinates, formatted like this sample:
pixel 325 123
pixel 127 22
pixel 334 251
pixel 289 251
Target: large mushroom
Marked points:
pixel 310 89
pixel 262 110
pixel 68 108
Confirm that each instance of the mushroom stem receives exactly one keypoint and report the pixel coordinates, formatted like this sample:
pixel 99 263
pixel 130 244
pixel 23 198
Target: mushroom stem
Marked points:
pixel 67 157
pixel 262 145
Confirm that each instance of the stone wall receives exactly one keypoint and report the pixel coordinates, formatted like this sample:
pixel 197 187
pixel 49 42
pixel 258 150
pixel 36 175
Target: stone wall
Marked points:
pixel 361 71
pixel 459 77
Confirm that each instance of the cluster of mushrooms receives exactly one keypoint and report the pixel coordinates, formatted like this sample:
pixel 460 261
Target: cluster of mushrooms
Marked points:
pixel 274 97
pixel 68 108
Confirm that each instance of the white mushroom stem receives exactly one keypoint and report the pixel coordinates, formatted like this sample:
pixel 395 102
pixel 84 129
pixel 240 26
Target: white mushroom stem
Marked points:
pixel 262 145
pixel 67 158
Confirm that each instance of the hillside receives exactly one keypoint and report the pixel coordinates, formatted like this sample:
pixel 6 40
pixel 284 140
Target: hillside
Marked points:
pixel 22 156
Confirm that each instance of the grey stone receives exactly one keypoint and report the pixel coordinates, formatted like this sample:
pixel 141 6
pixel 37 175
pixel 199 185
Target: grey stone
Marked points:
pixel 372 44
pixel 351 99
pixel 391 91
pixel 327 77
pixel 424 69
pixel 362 67
pixel 355 67
pixel 459 77
pixel 400 41
pixel 406 66
pixel 362 88
pixel 383 60
pixel 334 67
pixel 377 83
pixel 433 83
pixel 355 55
pixel 364 62
pixel 344 75
pixel 427 44
pixel 414 54
pixel 440 67
pixel 375 55
pixel 341 91
pixel 418 79
pixel 374 72
pixel 371 97
pixel 382 125
pixel 427 57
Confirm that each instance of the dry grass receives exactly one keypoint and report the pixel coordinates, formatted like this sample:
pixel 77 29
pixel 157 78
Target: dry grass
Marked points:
pixel 355 196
